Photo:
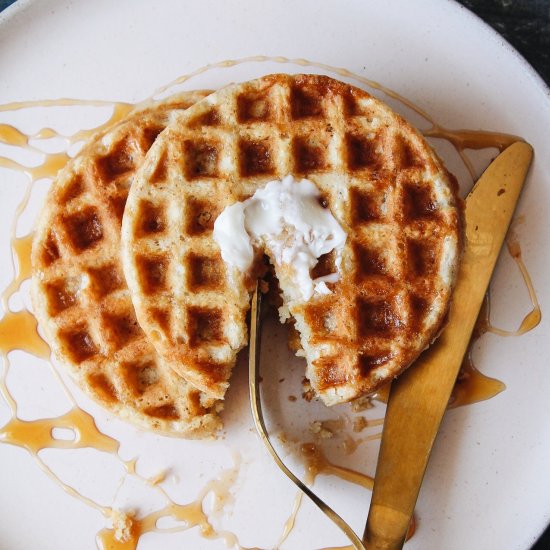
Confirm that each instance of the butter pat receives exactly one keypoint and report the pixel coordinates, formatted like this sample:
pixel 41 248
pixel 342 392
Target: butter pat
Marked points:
pixel 284 218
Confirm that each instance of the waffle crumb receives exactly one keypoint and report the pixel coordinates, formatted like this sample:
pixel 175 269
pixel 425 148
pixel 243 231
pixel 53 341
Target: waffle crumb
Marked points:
pixel 317 429
pixel 123 524
pixel 362 404
pixel 307 391
pixel 360 423
pixel 350 445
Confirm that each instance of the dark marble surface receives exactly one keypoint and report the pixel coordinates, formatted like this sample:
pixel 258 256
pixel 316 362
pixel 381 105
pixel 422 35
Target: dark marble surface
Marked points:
pixel 526 25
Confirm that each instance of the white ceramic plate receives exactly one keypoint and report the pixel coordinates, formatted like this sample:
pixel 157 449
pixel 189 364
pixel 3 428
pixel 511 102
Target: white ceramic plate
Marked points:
pixel 487 484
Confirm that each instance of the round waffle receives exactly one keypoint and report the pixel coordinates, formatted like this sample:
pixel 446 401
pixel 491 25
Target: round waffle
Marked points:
pixel 382 182
pixel 79 293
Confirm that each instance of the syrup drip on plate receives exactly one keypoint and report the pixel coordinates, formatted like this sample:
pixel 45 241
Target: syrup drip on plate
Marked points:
pixel 18 330
pixel 473 386
pixel 471 139
pixel 533 318
pixel 318 464
pixel 127 528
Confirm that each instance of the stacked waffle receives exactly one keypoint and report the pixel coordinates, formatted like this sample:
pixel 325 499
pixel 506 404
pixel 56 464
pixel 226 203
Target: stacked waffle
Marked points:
pixel 153 332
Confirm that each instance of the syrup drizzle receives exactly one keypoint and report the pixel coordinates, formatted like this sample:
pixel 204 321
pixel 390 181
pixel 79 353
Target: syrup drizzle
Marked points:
pixel 317 463
pixel 470 139
pixel 18 330
pixel 34 435
pixel 21 247
pixel 533 318
pixel 472 386
pixel 127 529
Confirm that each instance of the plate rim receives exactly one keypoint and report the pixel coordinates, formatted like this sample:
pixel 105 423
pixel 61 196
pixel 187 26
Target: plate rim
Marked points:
pixel 20 6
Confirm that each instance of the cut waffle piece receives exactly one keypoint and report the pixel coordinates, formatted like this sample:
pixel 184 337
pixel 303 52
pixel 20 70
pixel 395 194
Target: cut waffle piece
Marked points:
pixel 382 182
pixel 79 293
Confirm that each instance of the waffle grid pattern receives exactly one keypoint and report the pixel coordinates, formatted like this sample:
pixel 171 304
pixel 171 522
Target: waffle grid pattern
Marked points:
pixel 380 179
pixel 80 294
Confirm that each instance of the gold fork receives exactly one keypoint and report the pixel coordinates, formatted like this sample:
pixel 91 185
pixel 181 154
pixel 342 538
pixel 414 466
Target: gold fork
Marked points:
pixel 256 406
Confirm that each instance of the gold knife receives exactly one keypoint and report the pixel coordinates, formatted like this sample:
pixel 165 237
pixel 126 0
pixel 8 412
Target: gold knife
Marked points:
pixel 418 398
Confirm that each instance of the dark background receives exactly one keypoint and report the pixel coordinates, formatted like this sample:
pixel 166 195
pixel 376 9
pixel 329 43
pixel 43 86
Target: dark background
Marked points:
pixel 526 25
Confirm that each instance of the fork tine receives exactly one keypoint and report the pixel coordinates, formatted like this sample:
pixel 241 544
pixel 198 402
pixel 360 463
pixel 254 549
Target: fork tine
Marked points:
pixel 256 406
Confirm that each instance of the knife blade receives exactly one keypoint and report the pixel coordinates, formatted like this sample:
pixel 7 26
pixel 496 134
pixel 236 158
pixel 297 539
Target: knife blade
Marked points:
pixel 419 397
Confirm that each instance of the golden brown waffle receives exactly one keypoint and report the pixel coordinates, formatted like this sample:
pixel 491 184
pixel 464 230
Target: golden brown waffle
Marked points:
pixel 382 182
pixel 79 293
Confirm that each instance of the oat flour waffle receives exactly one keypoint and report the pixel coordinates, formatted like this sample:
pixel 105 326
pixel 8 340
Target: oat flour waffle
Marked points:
pixel 79 293
pixel 382 182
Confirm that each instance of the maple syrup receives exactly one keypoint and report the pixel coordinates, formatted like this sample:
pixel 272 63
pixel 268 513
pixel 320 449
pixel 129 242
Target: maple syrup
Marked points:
pixel 48 169
pixel 18 330
pixel 317 463
pixel 127 528
pixel 191 514
pixel 472 386
pixel 35 435
pixel 12 136
pixel 533 318
pixel 472 139
pixel 21 247
pixel 291 521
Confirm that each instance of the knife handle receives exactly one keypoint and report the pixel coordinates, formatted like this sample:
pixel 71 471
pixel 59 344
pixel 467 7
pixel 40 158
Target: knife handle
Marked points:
pixel 418 399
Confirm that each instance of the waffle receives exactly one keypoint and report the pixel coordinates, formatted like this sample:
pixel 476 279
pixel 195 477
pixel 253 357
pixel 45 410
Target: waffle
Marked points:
pixel 79 292
pixel 382 182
